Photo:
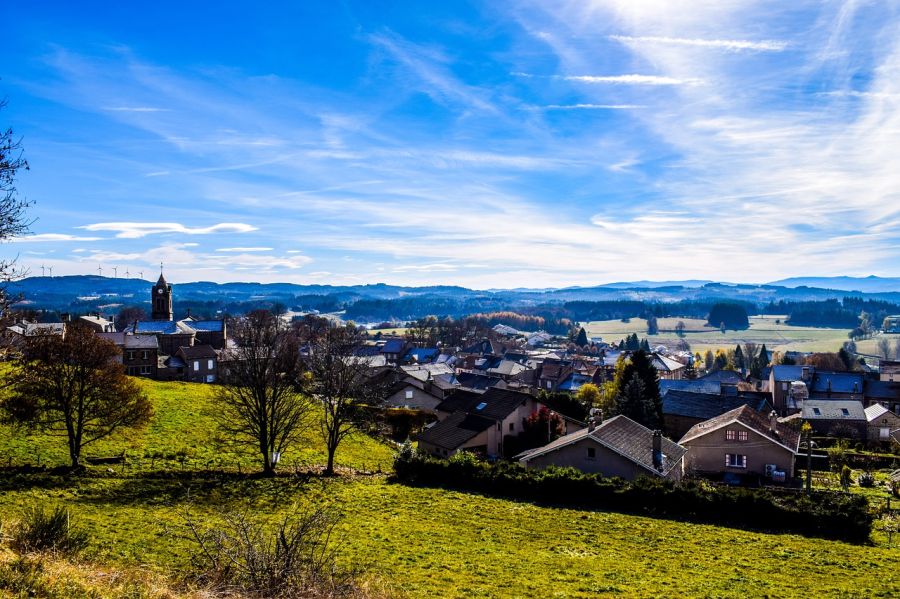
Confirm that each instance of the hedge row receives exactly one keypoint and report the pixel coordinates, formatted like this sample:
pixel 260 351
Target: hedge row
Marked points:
pixel 821 514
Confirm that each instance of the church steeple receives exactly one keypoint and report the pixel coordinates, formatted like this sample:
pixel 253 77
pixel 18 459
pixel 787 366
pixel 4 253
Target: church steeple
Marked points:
pixel 161 299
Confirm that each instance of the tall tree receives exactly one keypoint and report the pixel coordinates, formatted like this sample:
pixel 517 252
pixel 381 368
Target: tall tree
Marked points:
pixel 738 359
pixel 128 315
pixel 652 325
pixel 260 396
pixel 650 412
pixel 73 385
pixel 342 384
pixel 679 328
pixel 884 347
pixel 13 221
pixel 582 338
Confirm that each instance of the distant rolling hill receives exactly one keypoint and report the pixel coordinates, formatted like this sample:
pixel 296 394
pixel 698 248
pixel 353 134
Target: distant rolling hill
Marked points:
pixel 871 284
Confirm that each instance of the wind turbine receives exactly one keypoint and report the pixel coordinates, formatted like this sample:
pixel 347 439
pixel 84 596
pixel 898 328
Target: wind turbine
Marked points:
pixel 127 274
pixel 115 272
pixel 43 268
pixel 50 268
pixel 100 270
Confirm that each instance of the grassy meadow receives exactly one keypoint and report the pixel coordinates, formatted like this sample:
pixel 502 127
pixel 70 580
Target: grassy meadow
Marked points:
pixel 770 330
pixel 412 542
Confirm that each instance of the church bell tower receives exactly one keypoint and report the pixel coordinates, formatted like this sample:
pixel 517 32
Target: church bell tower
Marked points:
pixel 161 300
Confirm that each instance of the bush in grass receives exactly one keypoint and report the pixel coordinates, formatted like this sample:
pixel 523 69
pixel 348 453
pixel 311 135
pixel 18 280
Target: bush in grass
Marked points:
pixel 42 530
pixel 823 514
pixel 295 559
pixel 866 479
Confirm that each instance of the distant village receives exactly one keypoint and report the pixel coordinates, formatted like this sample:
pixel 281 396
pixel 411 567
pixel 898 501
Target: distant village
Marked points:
pixel 531 397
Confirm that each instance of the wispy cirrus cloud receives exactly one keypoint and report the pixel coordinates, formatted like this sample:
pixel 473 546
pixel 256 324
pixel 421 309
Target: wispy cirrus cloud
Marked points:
pixel 632 79
pixel 244 249
pixel 723 44
pixel 51 238
pixel 136 230
pixel 135 109
pixel 592 106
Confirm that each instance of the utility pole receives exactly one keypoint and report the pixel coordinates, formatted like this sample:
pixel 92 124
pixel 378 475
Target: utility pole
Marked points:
pixel 807 428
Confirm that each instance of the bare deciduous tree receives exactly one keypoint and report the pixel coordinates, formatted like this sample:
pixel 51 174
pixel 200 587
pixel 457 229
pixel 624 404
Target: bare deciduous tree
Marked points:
pixel 884 347
pixel 261 400
pixel 341 382
pixel 12 207
pixel 73 385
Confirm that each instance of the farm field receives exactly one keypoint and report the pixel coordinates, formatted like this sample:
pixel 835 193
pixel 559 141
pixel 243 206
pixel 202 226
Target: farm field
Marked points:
pixel 763 329
pixel 417 542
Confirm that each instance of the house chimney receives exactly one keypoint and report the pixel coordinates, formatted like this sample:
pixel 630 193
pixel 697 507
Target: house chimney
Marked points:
pixel 773 421
pixel 592 424
pixel 657 450
pixel 804 373
pixel 65 317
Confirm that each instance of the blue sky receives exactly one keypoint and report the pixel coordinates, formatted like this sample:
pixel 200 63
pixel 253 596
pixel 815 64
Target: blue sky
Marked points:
pixel 495 144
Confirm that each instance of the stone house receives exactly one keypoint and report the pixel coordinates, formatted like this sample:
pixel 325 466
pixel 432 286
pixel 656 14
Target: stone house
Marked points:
pixel 616 447
pixel 743 442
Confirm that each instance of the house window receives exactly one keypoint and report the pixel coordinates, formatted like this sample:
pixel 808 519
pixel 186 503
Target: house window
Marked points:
pixel 512 426
pixel 145 370
pixel 145 355
pixel 196 365
pixel 817 411
pixel 209 364
pixel 735 460
pixel 730 435
pixel 591 453
pixel 409 394
pixel 549 384
pixel 845 411
pixel 129 355
pixel 733 435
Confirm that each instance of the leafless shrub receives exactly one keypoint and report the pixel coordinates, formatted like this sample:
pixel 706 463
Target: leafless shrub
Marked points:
pixel 295 558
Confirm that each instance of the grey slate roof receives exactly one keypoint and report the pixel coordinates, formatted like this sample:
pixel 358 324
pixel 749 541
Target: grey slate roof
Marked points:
pixel 209 326
pixel 723 376
pixel 498 403
pixel 705 405
pixel 695 386
pixel 455 430
pixel 833 409
pixel 782 434
pixel 625 437
pixel 882 390
pixel 164 327
pixel 837 382
pixel 197 352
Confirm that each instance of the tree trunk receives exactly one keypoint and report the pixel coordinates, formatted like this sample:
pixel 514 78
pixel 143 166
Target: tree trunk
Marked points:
pixel 329 469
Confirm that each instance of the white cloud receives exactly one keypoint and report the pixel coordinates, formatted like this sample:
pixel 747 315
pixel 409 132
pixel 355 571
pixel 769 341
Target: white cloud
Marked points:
pixel 632 79
pixel 51 237
pixel 592 106
pixel 246 249
pixel 135 109
pixel 731 45
pixel 133 230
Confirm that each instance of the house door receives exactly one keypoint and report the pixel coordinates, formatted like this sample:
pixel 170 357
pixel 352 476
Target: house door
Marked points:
pixel 884 433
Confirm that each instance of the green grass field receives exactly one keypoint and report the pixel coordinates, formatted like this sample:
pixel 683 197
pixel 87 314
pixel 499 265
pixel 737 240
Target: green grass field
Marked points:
pixel 419 542
pixel 183 435
pixel 763 329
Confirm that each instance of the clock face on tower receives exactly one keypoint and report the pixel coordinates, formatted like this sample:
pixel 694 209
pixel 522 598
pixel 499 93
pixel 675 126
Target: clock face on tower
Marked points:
pixel 159 291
